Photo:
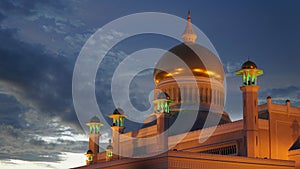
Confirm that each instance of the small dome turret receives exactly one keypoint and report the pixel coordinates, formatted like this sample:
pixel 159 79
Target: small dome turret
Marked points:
pixel 89 152
pixel 94 125
pixel 163 95
pixel 89 157
pixel 118 111
pixel 249 73
pixel 109 146
pixel 118 119
pixel 95 119
pixel 249 65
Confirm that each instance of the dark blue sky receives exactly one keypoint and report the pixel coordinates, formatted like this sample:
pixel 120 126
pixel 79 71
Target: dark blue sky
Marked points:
pixel 40 42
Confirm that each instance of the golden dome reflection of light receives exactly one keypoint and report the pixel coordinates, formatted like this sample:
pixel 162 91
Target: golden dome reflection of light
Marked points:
pixel 189 60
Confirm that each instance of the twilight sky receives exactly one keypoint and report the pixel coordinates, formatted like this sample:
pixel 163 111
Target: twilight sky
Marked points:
pixel 41 40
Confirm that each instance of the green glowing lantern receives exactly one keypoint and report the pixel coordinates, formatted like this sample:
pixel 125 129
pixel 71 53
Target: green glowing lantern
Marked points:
pixel 118 118
pixel 89 157
pixel 249 73
pixel 94 125
pixel 162 103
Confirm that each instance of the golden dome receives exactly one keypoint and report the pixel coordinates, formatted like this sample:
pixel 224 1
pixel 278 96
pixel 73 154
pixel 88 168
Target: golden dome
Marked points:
pixel 187 58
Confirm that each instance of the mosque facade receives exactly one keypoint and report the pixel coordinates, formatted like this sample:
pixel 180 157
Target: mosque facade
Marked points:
pixel 190 96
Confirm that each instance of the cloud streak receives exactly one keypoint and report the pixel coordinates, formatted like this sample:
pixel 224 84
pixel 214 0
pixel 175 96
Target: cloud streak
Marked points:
pixel 280 95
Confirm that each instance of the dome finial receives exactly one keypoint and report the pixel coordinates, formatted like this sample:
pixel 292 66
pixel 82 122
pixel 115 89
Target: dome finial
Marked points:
pixel 189 35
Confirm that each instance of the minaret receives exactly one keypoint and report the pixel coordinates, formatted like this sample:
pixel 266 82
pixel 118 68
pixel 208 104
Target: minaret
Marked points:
pixel 189 35
pixel 117 128
pixel 109 151
pixel 249 73
pixel 162 112
pixel 94 135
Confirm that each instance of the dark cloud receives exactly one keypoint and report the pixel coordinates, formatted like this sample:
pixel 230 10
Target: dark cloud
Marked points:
pixel 36 78
pixel 38 82
pixel 36 101
pixel 54 24
pixel 2 16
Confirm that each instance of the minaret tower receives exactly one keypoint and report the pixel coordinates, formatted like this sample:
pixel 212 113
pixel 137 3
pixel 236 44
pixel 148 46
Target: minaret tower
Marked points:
pixel 249 73
pixel 94 135
pixel 162 112
pixel 117 129
pixel 109 151
pixel 189 35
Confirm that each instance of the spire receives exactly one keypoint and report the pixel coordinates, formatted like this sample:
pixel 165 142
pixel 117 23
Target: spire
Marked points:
pixel 189 35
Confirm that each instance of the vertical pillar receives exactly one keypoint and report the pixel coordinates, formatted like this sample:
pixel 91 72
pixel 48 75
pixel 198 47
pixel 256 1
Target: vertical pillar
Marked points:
pixel 249 88
pixel 162 126
pixel 162 112
pixel 94 135
pixel 250 115
pixel 117 127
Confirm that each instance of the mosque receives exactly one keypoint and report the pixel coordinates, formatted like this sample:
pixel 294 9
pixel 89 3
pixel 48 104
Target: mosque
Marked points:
pixel 189 128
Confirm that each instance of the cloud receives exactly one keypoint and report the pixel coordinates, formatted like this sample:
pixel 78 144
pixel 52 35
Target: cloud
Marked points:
pixel 231 67
pixel 17 7
pixel 280 95
pixel 47 23
pixel 36 10
pixel 35 77
pixel 36 100
pixel 14 144
pixel 28 143
pixel 41 122
pixel 76 40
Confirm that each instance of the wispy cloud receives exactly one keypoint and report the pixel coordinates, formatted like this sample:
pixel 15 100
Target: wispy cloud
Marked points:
pixel 280 95
pixel 231 67
pixel 30 143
